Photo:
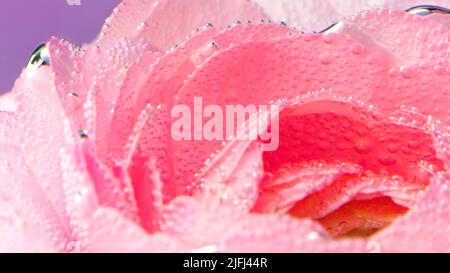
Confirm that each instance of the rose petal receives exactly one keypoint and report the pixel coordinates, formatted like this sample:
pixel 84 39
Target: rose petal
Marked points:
pixel 315 16
pixel 172 20
pixel 425 228
pixel 7 103
pixel 112 191
pixel 340 131
pixel 151 83
pixel 38 105
pixel 236 231
pixel 422 40
pixel 128 237
pixel 68 79
pixel 234 178
pixel 160 83
pixel 125 20
pixel 293 182
pixel 18 234
pixel 148 164
pixel 323 64
pixel 25 196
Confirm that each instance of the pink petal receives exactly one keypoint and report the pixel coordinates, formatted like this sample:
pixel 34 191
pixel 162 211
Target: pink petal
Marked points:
pixel 293 182
pixel 18 235
pixel 321 62
pixel 104 68
pixel 305 15
pixel 19 189
pixel 69 83
pixel 421 39
pixel 7 103
pixel 125 21
pixel 425 228
pixel 112 191
pixel 111 232
pixel 160 83
pixel 148 163
pixel 215 227
pixel 317 15
pixel 172 20
pixel 234 178
pixel 151 83
pixel 39 131
pixel 441 139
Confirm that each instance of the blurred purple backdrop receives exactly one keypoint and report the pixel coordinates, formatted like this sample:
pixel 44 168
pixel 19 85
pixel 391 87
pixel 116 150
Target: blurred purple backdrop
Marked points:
pixel 24 24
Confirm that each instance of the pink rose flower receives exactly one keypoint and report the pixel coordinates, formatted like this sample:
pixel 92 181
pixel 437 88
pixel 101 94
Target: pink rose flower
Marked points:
pixel 89 162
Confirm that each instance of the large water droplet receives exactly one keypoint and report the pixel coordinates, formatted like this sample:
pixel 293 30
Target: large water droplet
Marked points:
pixel 425 10
pixel 40 56
pixel 332 28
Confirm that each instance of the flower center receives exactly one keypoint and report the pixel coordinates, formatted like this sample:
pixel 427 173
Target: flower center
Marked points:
pixel 346 200
pixel 359 218
pixel 351 172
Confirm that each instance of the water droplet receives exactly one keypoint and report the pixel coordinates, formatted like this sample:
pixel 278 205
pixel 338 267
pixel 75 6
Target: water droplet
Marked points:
pixel 206 249
pixel 208 25
pixel 413 144
pixel 392 148
pixel 425 10
pixel 393 72
pixel 332 28
pixel 363 146
pixel 387 160
pixel 73 94
pixel 406 72
pixel 40 56
pixel 356 49
pixel 313 236
pixel 325 58
pixel 440 70
pixel 214 44
pixel 328 38
pixel 372 60
pixel 83 134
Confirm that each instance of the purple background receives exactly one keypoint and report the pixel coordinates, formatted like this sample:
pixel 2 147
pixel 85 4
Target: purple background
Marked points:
pixel 24 24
